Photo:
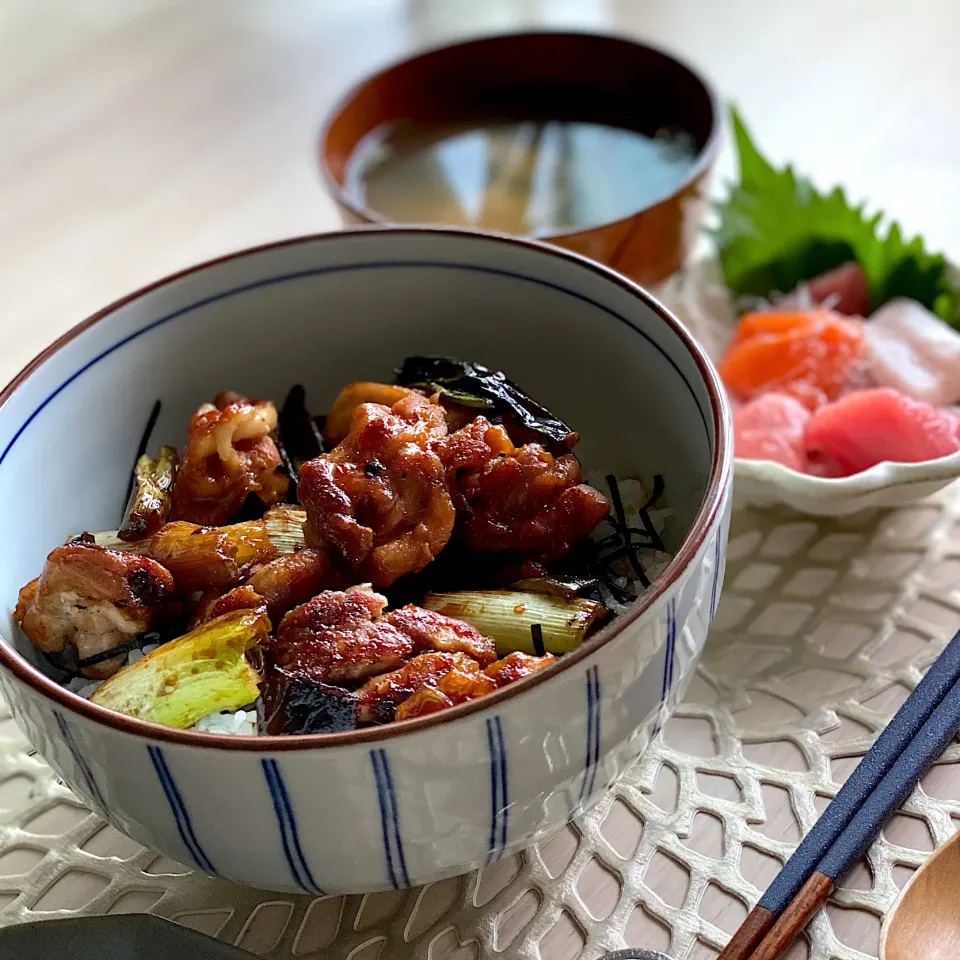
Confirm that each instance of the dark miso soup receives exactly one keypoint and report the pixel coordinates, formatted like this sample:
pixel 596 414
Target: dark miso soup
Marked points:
pixel 520 177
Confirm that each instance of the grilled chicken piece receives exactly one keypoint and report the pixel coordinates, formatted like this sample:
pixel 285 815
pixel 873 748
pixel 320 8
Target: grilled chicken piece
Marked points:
pixel 436 631
pixel 456 686
pixel 277 586
pixel 340 415
pixel 378 698
pixel 522 502
pixel 337 638
pixel 379 501
pixel 229 455
pixel 516 666
pixel 93 598
pixel 213 605
pixel 292 579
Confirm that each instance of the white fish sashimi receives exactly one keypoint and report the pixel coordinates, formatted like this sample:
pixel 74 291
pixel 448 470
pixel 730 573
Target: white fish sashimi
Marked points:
pixel 912 350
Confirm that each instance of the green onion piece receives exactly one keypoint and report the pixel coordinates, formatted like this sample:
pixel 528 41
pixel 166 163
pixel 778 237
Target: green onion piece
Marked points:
pixel 280 531
pixel 509 615
pixel 204 671
pixel 284 525
pixel 150 499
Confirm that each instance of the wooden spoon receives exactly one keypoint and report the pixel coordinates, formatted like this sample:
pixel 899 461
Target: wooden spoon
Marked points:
pixel 925 921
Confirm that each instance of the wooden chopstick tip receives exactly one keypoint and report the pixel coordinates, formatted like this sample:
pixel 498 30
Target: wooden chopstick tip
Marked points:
pixel 790 923
pixel 749 935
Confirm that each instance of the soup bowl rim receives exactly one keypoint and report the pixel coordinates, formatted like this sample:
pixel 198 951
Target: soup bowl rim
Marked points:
pixel 702 162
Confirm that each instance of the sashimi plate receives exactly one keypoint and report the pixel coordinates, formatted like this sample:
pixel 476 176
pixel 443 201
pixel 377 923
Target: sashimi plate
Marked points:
pixel 698 297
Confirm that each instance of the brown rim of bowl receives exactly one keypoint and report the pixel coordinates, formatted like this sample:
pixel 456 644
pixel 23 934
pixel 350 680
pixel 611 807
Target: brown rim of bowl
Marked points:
pixel 705 155
pixel 707 516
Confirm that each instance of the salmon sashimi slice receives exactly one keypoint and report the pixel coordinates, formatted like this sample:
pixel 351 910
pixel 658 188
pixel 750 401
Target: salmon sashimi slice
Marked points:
pixel 771 427
pixel 809 355
pixel 873 426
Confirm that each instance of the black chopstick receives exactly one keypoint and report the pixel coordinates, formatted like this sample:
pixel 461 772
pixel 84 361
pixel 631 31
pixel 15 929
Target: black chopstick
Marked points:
pixel 888 796
pixel 887 748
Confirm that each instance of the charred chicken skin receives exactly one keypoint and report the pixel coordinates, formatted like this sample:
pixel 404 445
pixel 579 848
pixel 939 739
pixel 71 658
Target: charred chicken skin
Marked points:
pixel 378 698
pixel 515 666
pixel 453 687
pixel 379 502
pixel 93 599
pixel 337 638
pixel 229 455
pixel 429 630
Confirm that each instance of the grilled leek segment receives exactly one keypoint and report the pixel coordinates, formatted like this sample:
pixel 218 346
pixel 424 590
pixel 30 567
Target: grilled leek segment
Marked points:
pixel 150 498
pixel 202 672
pixel 522 620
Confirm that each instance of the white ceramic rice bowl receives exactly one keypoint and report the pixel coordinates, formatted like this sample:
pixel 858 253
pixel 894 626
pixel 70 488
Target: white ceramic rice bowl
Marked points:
pixel 408 803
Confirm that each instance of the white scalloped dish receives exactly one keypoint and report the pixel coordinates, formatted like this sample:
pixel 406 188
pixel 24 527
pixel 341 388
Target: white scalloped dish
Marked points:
pixel 698 297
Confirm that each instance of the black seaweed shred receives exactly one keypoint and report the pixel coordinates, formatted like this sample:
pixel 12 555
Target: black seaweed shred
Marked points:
pixel 137 643
pixel 646 519
pixel 536 634
pixel 141 450
pixel 252 508
pixel 603 560
pixel 67 661
pixel 629 549
pixel 474 385
pixel 64 662
pixel 298 436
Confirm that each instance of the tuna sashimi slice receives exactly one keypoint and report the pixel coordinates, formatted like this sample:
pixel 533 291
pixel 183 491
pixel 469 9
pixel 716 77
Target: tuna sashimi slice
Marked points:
pixel 872 426
pixel 911 349
pixel 771 428
pixel 843 290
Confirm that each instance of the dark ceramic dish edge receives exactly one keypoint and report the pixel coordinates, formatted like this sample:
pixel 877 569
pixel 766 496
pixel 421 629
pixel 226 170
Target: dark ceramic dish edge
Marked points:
pixel 137 936
pixel 88 938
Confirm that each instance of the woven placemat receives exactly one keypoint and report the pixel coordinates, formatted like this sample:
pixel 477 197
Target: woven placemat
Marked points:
pixel 824 628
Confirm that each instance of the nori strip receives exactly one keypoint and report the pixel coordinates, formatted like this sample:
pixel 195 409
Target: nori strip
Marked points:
pixel 474 385
pixel 298 436
pixel 252 508
pixel 598 559
pixel 137 643
pixel 628 544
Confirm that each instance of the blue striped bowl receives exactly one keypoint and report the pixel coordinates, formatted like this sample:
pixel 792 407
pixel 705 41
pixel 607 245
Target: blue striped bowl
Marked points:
pixel 414 802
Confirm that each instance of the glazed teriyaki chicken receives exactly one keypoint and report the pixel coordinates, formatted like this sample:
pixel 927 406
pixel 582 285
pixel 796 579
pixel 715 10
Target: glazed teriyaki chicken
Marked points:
pixel 426 543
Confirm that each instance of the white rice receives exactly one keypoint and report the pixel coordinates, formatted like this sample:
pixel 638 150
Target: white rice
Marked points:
pixel 237 722
pixel 83 687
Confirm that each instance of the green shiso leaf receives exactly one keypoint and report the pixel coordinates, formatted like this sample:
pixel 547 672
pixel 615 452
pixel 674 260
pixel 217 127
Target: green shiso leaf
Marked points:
pixel 776 231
